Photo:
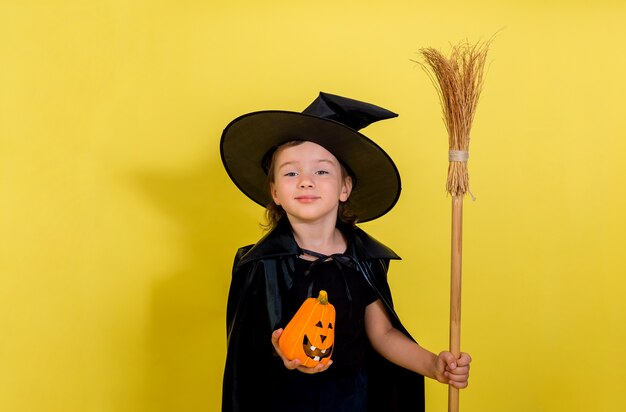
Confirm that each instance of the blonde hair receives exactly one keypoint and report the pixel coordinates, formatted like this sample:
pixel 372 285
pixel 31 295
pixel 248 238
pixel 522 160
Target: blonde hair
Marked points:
pixel 274 212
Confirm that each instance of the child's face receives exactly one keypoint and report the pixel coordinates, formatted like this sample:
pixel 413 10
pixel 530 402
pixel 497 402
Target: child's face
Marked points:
pixel 308 183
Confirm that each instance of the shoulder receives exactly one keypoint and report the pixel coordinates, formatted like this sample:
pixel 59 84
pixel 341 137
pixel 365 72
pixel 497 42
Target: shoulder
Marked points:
pixel 242 251
pixel 276 243
pixel 367 247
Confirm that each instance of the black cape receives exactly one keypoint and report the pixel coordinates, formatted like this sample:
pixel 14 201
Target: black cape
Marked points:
pixel 261 276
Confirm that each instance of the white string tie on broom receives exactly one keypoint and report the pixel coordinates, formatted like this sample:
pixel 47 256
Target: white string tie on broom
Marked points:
pixel 458 156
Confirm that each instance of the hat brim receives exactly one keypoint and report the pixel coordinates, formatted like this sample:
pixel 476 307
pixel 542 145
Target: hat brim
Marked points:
pixel 247 139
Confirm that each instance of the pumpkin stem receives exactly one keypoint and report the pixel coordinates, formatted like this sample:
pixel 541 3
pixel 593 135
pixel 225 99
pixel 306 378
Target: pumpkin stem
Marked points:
pixel 323 297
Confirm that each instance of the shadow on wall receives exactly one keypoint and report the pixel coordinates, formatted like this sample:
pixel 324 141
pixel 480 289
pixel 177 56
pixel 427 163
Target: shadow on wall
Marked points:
pixel 186 339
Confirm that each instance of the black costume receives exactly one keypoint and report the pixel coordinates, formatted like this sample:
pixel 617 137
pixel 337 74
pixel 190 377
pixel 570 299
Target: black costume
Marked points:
pixel 262 276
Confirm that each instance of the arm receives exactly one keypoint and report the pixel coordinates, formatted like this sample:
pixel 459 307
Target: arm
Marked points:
pixel 398 348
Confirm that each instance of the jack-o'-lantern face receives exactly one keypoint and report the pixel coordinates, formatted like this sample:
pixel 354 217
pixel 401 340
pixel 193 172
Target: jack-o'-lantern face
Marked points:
pixel 310 335
pixel 323 339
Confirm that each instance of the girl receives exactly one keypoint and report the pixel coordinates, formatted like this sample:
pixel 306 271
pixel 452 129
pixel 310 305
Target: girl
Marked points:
pixel 317 175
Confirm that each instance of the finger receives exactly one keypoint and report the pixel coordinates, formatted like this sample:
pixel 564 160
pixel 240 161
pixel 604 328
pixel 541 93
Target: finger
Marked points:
pixel 291 364
pixel 320 367
pixel 464 360
pixel 324 367
pixel 276 335
pixel 459 370
pixel 275 338
pixel 449 359
pixel 459 385
pixel 457 375
pixel 459 382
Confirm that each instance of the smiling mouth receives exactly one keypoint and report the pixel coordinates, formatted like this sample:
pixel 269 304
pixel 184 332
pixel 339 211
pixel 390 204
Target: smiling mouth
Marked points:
pixel 314 353
pixel 306 198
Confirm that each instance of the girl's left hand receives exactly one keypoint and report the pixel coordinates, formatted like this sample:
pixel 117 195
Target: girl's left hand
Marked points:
pixel 453 371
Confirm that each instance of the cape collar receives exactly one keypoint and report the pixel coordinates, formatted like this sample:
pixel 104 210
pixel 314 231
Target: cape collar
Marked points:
pixel 280 242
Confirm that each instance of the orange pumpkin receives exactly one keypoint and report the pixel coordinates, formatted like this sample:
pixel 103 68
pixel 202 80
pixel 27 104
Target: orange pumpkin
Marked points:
pixel 310 334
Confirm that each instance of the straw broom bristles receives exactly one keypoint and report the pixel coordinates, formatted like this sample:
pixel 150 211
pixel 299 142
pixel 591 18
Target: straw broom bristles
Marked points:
pixel 458 80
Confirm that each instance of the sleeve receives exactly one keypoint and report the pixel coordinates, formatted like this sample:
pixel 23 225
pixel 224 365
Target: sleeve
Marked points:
pixel 246 386
pixel 370 294
pixel 236 287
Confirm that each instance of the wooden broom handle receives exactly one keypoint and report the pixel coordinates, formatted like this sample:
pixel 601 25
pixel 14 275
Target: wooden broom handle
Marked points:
pixel 455 292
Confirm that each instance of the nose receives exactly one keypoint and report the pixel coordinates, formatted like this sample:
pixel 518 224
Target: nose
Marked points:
pixel 323 338
pixel 305 181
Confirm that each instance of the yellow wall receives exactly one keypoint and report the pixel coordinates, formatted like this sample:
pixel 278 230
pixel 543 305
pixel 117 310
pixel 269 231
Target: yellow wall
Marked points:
pixel 118 224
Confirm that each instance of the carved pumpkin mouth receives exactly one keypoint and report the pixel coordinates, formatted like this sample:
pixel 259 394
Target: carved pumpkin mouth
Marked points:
pixel 314 353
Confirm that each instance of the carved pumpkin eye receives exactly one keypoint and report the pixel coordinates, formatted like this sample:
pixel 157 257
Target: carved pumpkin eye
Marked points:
pixel 319 324
pixel 330 326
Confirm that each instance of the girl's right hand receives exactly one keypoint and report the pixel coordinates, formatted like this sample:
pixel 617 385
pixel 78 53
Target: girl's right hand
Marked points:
pixel 296 364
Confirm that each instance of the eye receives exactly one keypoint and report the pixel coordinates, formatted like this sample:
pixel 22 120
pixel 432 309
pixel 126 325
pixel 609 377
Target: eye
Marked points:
pixel 322 172
pixel 290 174
pixel 319 324
pixel 330 326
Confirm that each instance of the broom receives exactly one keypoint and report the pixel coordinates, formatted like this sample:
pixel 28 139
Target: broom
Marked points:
pixel 458 80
